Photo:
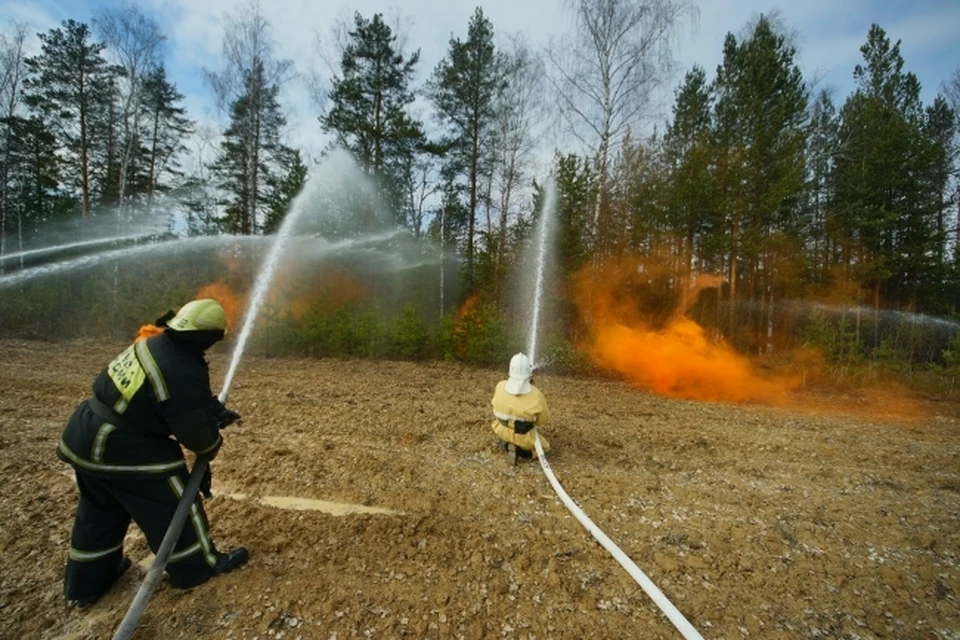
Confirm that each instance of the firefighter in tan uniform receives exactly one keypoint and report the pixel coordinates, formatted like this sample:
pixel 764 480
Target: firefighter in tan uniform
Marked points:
pixel 124 444
pixel 519 408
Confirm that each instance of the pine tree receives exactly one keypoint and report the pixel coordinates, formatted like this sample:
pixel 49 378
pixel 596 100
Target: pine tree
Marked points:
pixel 70 85
pixel 576 183
pixel 32 172
pixel 940 128
pixel 250 154
pixel 886 218
pixel 284 188
pixel 688 150
pixel 106 157
pixel 820 195
pixel 761 115
pixel 464 89
pixel 369 113
pixel 166 126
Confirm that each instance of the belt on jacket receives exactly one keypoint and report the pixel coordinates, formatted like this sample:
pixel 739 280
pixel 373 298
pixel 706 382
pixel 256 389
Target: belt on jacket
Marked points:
pixel 520 427
pixel 105 413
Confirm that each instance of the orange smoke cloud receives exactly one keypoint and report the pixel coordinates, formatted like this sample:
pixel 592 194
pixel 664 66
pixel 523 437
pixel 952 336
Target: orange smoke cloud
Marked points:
pixel 679 361
pixel 674 359
pixel 329 291
pixel 231 302
pixel 467 323
pixel 148 331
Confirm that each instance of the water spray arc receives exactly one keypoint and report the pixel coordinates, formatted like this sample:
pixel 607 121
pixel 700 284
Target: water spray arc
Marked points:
pixel 265 278
pixel 94 259
pixel 549 205
pixel 21 256
pixel 672 613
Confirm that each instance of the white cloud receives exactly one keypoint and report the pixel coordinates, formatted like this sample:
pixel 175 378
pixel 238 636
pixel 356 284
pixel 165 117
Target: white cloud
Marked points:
pixel 830 33
pixel 40 16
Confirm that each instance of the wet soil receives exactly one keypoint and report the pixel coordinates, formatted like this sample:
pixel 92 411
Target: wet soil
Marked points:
pixel 375 504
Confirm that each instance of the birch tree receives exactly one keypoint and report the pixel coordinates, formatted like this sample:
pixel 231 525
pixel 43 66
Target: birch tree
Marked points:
pixel 12 72
pixel 247 88
pixel 620 53
pixel 520 115
pixel 134 43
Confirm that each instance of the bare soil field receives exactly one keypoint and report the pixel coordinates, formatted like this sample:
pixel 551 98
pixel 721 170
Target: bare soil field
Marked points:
pixel 375 505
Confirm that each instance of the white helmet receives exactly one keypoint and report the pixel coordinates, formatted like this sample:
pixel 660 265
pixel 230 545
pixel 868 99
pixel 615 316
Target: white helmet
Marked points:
pixel 520 372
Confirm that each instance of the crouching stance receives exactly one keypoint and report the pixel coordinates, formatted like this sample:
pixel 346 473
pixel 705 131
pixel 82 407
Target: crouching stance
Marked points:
pixel 519 408
pixel 124 443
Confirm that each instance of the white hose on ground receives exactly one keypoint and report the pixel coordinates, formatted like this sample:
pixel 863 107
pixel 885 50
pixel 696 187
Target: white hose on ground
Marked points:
pixel 681 623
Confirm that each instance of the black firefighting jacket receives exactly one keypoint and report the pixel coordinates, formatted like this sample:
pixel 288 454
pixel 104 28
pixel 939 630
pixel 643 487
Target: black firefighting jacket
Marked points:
pixel 153 397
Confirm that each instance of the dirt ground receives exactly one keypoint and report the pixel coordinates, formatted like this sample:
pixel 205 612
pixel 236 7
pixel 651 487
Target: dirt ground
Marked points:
pixel 755 522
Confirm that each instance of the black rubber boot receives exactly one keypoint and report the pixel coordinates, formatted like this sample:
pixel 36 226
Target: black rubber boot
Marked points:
pixel 227 562
pixel 83 603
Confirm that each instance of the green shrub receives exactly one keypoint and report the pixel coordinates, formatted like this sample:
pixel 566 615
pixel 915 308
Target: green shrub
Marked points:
pixel 410 335
pixel 476 334
pixel 836 340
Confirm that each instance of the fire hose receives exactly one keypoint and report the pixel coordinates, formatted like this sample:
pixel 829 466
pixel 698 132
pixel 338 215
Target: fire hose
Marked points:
pixel 674 615
pixel 129 623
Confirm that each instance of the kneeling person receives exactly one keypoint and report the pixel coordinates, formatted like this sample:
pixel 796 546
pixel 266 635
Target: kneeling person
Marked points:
pixel 519 408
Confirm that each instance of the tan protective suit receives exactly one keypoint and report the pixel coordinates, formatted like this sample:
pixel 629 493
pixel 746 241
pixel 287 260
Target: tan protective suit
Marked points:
pixel 508 408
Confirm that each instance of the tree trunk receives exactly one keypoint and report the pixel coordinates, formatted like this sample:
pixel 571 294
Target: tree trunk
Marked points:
pixel 471 223
pixel 84 167
pixel 152 178
pixel 732 317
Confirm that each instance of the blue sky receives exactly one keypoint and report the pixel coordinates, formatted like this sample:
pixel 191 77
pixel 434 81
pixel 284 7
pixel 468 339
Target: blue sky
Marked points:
pixel 829 35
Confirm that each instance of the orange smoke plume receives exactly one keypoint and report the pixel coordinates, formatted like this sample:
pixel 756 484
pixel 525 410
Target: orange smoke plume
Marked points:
pixel 674 359
pixel 231 302
pixel 328 291
pixel 467 323
pixel 467 307
pixel 220 292
pixel 148 331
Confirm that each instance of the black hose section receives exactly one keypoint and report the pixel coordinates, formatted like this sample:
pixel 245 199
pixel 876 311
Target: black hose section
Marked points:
pixel 129 623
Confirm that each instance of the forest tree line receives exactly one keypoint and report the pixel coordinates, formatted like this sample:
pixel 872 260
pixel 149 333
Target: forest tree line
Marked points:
pixel 780 189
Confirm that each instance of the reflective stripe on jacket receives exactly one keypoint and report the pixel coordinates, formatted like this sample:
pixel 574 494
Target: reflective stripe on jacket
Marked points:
pixel 161 394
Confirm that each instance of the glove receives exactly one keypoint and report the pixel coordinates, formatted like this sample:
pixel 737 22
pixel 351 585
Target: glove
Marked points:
pixel 227 417
pixel 205 483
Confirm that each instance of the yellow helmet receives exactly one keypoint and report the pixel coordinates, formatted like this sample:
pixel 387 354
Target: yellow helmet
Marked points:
pixel 199 315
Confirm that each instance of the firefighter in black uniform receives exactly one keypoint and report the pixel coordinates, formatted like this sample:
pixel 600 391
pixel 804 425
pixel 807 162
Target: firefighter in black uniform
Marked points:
pixel 124 445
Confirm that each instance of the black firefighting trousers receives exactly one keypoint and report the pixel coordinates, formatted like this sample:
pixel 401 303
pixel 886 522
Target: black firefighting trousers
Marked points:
pixel 103 516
